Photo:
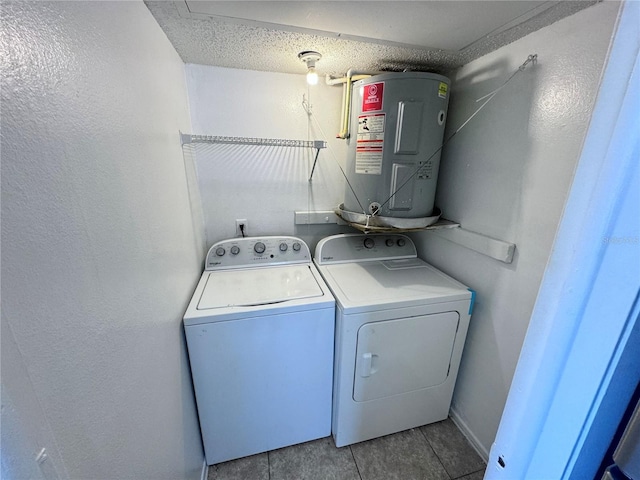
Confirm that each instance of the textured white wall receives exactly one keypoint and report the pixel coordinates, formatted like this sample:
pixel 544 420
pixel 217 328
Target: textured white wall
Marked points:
pixel 99 256
pixel 264 185
pixel 507 176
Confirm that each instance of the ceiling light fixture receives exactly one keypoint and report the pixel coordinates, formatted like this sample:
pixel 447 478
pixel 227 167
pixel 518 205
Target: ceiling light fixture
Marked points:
pixel 309 57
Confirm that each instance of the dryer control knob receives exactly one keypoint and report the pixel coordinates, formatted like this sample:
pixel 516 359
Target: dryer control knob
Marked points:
pixel 220 251
pixel 235 250
pixel 389 242
pixel 259 247
pixel 401 242
pixel 296 247
pixel 283 247
pixel 369 243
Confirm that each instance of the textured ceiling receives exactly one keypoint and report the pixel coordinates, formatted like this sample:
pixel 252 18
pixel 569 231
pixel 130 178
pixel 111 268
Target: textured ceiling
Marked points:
pixel 269 36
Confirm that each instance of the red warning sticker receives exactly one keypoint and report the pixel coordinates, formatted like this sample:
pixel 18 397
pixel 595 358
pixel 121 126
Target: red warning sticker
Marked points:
pixel 372 97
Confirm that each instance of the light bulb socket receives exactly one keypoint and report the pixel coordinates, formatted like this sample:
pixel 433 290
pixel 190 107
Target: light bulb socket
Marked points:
pixel 309 57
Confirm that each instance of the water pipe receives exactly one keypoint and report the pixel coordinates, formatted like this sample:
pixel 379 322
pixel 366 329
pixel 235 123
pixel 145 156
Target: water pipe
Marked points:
pixel 346 82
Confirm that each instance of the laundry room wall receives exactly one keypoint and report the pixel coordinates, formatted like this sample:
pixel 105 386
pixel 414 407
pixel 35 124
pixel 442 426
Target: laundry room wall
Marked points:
pixel 507 175
pixel 264 185
pixel 99 254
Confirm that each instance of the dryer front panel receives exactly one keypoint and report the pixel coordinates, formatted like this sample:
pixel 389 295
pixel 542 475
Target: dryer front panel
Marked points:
pixel 403 355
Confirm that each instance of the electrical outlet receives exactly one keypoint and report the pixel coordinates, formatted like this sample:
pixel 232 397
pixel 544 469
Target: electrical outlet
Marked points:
pixel 242 227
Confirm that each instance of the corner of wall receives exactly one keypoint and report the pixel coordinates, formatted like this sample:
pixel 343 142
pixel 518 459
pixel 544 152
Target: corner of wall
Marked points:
pixel 468 433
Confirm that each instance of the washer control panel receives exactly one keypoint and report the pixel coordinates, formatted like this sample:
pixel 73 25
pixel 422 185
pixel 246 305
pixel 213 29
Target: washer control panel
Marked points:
pixel 249 252
pixel 362 247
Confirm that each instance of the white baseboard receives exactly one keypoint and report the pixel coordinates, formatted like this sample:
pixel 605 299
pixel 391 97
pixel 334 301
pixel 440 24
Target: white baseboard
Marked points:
pixel 469 435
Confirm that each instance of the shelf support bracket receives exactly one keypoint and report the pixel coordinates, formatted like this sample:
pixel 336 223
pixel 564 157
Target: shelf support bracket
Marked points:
pixel 489 246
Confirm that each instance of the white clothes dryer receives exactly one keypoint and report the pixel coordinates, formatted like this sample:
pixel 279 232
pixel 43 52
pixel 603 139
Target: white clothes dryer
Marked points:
pixel 401 325
pixel 260 336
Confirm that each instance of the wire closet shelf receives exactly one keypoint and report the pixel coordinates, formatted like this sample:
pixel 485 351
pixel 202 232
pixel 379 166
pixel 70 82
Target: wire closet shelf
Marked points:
pixel 187 138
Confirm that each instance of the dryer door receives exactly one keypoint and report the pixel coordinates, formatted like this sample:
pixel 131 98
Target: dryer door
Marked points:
pixel 403 355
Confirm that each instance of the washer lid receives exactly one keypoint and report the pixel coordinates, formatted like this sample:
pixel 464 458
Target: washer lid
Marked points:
pixel 369 285
pixel 258 286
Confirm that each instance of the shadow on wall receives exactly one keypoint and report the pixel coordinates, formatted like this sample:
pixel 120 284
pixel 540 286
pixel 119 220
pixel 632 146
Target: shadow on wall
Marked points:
pixel 483 168
pixel 312 233
pixel 258 183
pixel 262 184
pixel 483 184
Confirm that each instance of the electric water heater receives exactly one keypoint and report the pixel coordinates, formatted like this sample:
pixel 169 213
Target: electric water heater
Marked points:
pixel 397 127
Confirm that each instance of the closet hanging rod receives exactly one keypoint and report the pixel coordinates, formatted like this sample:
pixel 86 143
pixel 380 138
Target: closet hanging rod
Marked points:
pixel 187 138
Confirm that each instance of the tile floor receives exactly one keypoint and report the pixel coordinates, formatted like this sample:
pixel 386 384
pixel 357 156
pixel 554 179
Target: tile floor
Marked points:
pixel 433 452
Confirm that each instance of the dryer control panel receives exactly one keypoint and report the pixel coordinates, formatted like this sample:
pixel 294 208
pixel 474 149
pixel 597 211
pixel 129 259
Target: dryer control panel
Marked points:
pixel 250 252
pixel 362 247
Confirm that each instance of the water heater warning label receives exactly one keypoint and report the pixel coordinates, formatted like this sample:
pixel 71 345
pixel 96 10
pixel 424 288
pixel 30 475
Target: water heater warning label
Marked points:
pixel 370 143
pixel 372 97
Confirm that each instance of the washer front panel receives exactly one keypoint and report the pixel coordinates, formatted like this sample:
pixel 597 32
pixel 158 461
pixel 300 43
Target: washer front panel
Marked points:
pixel 262 383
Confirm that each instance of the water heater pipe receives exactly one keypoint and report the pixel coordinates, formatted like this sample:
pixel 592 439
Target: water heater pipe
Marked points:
pixel 342 106
pixel 345 112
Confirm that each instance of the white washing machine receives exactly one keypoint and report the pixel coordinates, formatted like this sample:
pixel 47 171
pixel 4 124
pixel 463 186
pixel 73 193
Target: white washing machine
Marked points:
pixel 400 330
pixel 260 336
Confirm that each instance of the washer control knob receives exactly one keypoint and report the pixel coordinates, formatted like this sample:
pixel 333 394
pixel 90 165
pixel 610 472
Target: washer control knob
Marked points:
pixel 283 247
pixel 220 251
pixel 235 250
pixel 296 246
pixel 401 242
pixel 259 247
pixel 389 242
pixel 369 243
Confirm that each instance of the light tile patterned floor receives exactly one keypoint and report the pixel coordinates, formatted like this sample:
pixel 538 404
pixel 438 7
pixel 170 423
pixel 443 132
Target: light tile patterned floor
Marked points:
pixel 433 452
